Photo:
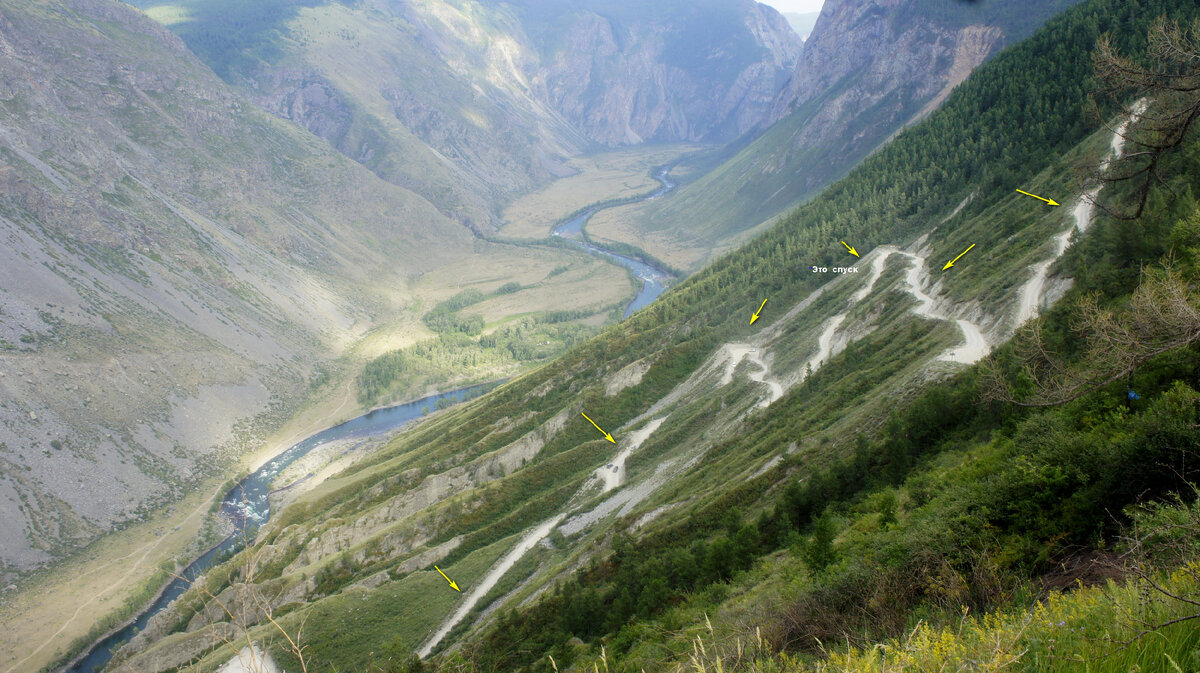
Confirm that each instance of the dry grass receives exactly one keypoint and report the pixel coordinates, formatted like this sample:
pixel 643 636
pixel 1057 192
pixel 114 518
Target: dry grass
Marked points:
pixel 62 605
pixel 612 175
pixel 587 284
pixel 673 247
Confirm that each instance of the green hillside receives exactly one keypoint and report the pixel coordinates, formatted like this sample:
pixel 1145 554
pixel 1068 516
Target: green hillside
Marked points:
pixel 760 178
pixel 837 486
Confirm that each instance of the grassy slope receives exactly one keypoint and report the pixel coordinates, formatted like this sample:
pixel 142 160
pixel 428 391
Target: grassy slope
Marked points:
pixel 769 175
pixel 679 332
pixel 600 177
pixel 996 547
pixel 259 227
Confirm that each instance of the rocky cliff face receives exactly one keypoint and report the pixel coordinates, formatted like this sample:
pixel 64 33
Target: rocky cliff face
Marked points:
pixel 869 68
pixel 868 90
pixel 175 266
pixel 473 103
pixel 628 82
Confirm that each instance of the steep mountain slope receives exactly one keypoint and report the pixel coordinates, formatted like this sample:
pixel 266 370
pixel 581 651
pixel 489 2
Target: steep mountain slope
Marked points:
pixel 631 72
pixel 472 104
pixel 868 69
pixel 519 500
pixel 178 267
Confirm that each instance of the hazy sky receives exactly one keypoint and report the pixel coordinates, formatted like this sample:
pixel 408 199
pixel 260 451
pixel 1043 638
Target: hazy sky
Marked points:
pixel 800 6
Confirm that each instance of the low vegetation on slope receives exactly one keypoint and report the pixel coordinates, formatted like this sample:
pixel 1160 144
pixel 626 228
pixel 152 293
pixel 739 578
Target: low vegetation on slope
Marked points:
pixel 466 349
pixel 846 101
pixel 966 535
pixel 769 514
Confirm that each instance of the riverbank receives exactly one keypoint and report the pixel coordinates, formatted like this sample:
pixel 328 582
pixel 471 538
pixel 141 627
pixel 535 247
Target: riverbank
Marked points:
pixel 608 176
pixel 653 277
pixel 247 505
pixel 110 573
pixel 115 576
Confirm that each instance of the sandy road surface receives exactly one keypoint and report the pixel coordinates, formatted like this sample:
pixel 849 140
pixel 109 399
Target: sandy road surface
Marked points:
pixel 612 475
pixel 489 580
pixel 1029 303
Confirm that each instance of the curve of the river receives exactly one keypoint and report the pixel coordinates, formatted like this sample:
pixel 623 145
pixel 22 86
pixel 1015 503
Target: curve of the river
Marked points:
pixel 247 506
pixel 653 278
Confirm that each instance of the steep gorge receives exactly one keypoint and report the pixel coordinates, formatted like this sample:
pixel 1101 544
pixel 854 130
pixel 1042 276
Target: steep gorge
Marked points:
pixel 869 69
pixel 473 104
pixel 725 412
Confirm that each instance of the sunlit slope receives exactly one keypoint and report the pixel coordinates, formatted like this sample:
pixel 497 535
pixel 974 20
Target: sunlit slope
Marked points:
pixel 708 410
pixel 473 104
pixel 468 485
pixel 869 70
pixel 426 97
pixel 176 263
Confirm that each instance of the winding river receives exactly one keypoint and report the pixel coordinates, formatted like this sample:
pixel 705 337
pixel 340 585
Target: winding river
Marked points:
pixel 653 279
pixel 247 506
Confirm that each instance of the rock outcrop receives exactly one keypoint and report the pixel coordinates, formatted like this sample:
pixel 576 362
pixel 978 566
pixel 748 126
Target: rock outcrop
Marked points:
pixel 175 265
pixel 869 69
pixel 655 78
pixel 472 104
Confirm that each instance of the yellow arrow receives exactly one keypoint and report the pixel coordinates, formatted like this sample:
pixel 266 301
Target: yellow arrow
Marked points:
pixel 852 250
pixel 951 262
pixel 755 316
pixel 452 584
pixel 1049 201
pixel 606 435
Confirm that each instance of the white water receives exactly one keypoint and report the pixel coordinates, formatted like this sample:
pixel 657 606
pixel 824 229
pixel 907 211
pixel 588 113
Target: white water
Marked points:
pixel 489 580
pixel 1030 300
pixel 612 475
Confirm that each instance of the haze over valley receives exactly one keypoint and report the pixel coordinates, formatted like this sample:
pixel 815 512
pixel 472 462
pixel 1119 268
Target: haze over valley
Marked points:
pixel 567 335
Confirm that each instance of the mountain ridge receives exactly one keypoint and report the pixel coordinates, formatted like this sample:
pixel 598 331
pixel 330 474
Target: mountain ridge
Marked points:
pixel 474 105
pixel 470 484
pixel 802 22
pixel 844 100
pixel 181 271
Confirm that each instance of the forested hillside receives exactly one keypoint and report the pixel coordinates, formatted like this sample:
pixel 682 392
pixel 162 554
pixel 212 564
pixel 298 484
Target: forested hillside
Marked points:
pixel 837 487
pixel 848 96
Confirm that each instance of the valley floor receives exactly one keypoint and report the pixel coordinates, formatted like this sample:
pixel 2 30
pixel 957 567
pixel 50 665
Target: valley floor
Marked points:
pixel 53 610
pixel 601 177
pixel 64 603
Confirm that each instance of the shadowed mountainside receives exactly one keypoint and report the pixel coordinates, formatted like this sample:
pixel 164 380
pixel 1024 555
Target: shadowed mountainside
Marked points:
pixel 472 104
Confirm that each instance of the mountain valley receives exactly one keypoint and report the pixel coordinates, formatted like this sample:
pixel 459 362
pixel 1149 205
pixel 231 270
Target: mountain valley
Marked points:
pixel 920 392
pixel 867 71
